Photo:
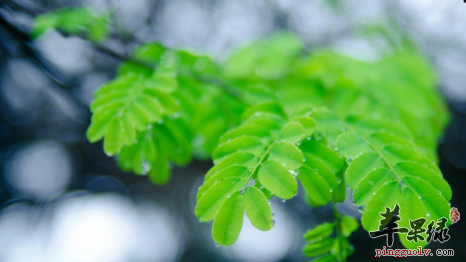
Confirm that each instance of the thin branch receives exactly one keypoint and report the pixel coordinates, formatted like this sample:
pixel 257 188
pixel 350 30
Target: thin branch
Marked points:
pixel 110 52
pixel 21 7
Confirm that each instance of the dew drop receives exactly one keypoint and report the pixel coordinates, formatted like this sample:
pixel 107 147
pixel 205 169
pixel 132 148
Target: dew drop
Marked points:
pixel 331 190
pixel 298 143
pixel 198 141
pixel 428 214
pixel 361 209
pixel 419 197
pixel 283 200
pixel 283 164
pixel 339 180
pixel 145 167
pixel 217 244
pixel 349 160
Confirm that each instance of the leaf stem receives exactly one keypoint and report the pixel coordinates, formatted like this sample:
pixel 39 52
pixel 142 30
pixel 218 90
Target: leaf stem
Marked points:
pixel 261 160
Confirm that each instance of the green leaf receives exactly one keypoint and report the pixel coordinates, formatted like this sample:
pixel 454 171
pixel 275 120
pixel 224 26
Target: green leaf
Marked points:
pixel 73 21
pixel 240 172
pixel 209 204
pixel 318 190
pixel 270 109
pixel 155 148
pixel 287 154
pixel 258 209
pixel 240 158
pixel 44 23
pixel 124 106
pixel 348 225
pixel 371 183
pixel 319 247
pixel 351 145
pixel 98 31
pixel 320 232
pixel 327 156
pixel 292 132
pixel 160 170
pixel 256 60
pixel 342 248
pixel 278 180
pixel 388 196
pixel 307 123
pixel 247 144
pixel 326 258
pixel 247 129
pixel 431 206
pixel 321 178
pixel 362 166
pixel 229 220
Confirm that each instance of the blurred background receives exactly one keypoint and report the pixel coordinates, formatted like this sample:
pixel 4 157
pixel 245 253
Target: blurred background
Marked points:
pixel 63 200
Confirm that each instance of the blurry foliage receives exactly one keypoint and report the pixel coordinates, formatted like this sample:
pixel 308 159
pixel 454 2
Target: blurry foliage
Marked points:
pixel 73 21
pixel 273 114
pixel 320 243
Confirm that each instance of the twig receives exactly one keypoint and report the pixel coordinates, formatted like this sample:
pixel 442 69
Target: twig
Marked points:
pixel 21 7
pixel 109 52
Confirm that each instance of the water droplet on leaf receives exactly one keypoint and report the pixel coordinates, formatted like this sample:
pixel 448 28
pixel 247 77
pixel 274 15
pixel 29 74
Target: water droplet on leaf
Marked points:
pixel 145 167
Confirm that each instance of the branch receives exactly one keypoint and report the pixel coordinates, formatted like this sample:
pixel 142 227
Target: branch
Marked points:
pixel 21 7
pixel 105 50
